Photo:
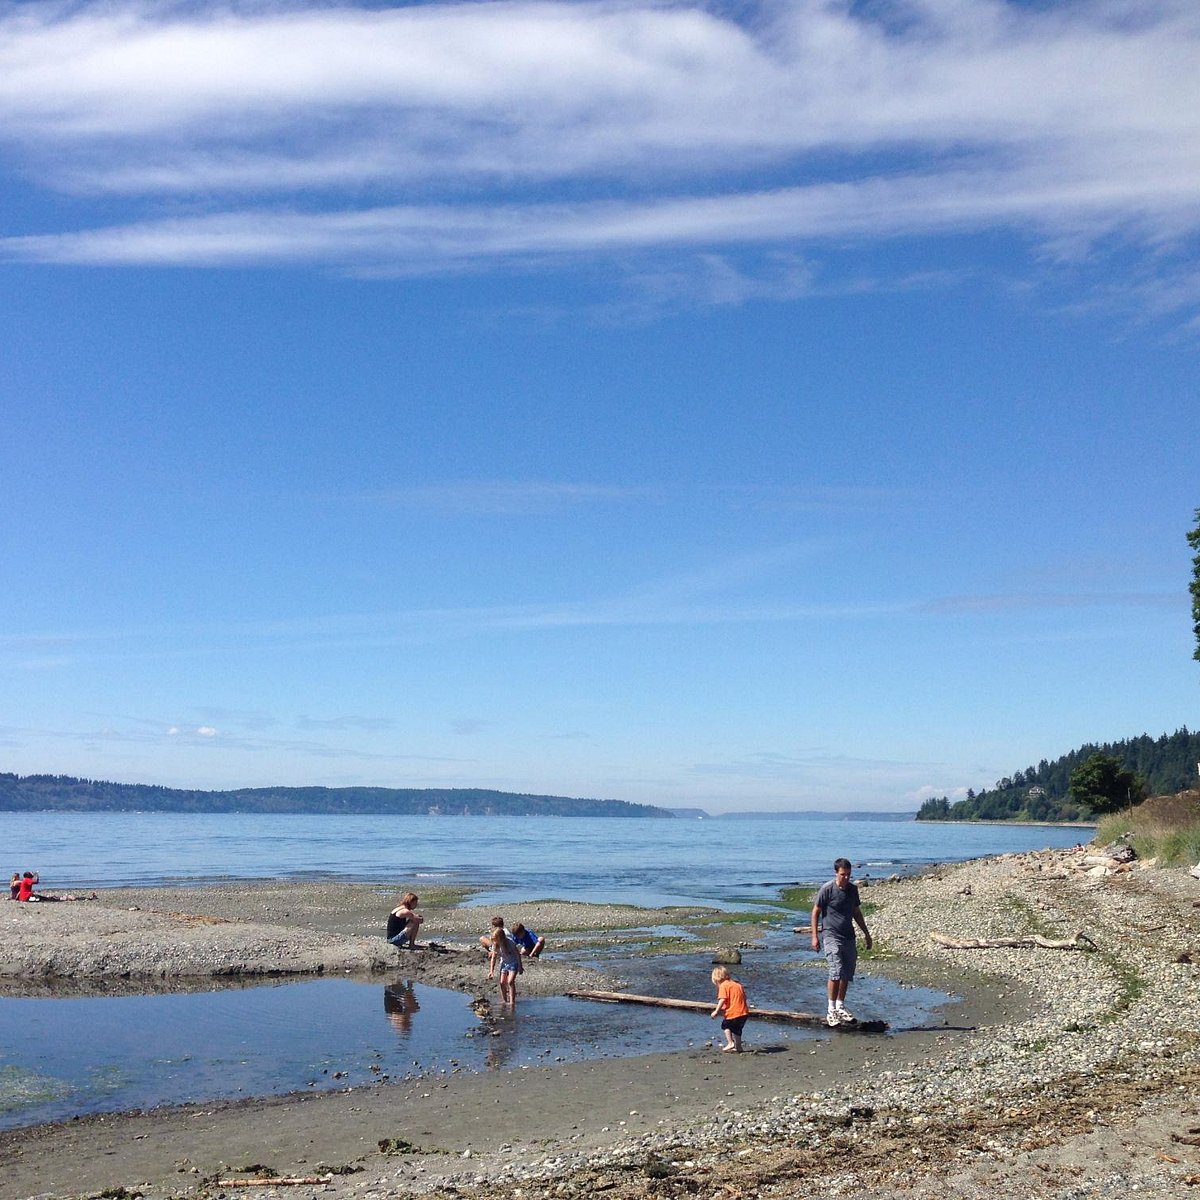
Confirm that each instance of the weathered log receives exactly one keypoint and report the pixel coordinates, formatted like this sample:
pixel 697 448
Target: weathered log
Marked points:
pixel 1104 860
pixel 277 1181
pixel 1080 941
pixel 761 1014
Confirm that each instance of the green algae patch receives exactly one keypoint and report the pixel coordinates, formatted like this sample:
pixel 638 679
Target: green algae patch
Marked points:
pixel 20 1088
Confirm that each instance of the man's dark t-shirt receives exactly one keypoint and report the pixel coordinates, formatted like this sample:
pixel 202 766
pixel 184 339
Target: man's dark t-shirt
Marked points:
pixel 837 906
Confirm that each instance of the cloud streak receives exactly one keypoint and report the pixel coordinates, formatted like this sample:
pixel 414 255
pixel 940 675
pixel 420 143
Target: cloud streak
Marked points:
pixel 756 125
pixel 502 498
pixel 420 239
pixel 711 598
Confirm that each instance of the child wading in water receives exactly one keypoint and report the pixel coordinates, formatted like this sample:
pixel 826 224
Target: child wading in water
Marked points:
pixel 731 1007
pixel 503 947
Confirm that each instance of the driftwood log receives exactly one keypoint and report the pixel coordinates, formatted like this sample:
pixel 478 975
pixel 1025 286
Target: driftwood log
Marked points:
pixel 277 1181
pixel 761 1014
pixel 1080 941
pixel 1097 862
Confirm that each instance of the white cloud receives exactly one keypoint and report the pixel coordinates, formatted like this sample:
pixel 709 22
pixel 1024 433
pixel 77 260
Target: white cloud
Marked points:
pixel 422 238
pixel 918 796
pixel 206 731
pixel 550 88
pixel 765 124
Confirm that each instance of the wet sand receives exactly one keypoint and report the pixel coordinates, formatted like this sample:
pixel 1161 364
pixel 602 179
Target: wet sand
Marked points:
pixel 1057 1073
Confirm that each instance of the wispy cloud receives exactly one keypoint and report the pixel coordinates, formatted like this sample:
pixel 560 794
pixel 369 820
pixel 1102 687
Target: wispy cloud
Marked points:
pixel 119 731
pixel 424 238
pixel 1048 601
pixel 799 765
pixel 755 124
pixel 518 498
pixel 730 591
pixel 347 724
pixel 503 497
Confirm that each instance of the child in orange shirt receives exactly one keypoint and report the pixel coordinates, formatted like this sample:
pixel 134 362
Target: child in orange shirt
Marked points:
pixel 731 1008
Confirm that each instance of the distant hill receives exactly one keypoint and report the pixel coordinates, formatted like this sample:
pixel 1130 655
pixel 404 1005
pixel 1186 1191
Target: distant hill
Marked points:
pixel 63 793
pixel 1042 793
pixel 825 815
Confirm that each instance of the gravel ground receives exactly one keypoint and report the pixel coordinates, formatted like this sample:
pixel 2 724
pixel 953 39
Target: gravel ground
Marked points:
pixel 1088 1085
pixel 173 937
pixel 1065 1074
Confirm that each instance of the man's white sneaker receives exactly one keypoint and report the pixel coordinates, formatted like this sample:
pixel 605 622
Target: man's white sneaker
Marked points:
pixel 832 1019
pixel 845 1016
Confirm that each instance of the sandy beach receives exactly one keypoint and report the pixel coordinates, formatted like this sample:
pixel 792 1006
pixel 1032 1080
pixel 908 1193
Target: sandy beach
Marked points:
pixel 1062 1072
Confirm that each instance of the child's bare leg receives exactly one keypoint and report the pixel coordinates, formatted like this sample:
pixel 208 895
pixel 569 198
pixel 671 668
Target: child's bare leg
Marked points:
pixel 508 987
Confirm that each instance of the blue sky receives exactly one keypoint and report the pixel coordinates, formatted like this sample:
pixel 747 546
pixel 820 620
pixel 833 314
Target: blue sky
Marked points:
pixel 752 406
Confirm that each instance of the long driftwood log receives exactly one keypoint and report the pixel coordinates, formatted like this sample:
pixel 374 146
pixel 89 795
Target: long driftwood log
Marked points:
pixel 1080 941
pixel 761 1014
pixel 277 1181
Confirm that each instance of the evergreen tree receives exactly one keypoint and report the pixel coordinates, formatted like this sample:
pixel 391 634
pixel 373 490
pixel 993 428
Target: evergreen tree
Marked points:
pixel 1103 784
pixel 1194 541
pixel 1159 765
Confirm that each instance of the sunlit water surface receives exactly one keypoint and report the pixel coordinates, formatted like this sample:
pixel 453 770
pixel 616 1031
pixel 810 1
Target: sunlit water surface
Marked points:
pixel 63 1057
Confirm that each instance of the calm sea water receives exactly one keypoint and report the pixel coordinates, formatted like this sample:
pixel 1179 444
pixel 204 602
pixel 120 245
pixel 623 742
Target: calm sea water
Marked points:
pixel 68 1056
pixel 635 861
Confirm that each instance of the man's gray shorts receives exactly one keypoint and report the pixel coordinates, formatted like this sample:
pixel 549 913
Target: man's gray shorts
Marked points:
pixel 842 957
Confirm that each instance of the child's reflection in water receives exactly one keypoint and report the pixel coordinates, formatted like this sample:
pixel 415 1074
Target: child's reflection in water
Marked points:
pixel 400 1002
pixel 502 1048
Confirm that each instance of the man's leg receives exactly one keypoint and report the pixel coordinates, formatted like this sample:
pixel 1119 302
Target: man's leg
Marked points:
pixel 849 962
pixel 837 987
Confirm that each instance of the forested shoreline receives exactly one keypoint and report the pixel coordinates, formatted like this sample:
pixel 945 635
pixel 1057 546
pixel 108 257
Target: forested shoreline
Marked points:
pixel 1152 766
pixel 65 793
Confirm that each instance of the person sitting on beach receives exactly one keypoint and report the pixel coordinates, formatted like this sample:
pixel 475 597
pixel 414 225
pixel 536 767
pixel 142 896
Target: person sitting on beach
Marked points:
pixel 528 942
pixel 836 911
pixel 15 885
pixel 731 1008
pixel 501 946
pixel 404 921
pixel 25 887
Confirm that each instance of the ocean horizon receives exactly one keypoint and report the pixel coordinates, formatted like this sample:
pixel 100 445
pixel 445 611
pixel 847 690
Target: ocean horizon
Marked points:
pixel 645 861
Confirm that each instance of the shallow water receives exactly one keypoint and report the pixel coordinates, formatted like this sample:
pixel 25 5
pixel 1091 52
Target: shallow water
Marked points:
pixel 69 1057
pixel 61 1057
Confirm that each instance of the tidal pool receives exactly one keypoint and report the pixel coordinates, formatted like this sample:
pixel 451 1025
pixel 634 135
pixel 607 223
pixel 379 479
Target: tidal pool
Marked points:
pixel 71 1056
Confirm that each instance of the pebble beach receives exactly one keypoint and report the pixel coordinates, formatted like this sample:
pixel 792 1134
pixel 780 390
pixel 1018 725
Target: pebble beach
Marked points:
pixel 1059 1073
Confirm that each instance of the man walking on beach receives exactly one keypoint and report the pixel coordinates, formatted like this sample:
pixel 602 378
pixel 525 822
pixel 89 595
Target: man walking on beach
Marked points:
pixel 835 913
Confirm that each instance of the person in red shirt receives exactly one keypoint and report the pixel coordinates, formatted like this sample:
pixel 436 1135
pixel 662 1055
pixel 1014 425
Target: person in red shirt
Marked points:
pixel 25 887
pixel 731 1008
